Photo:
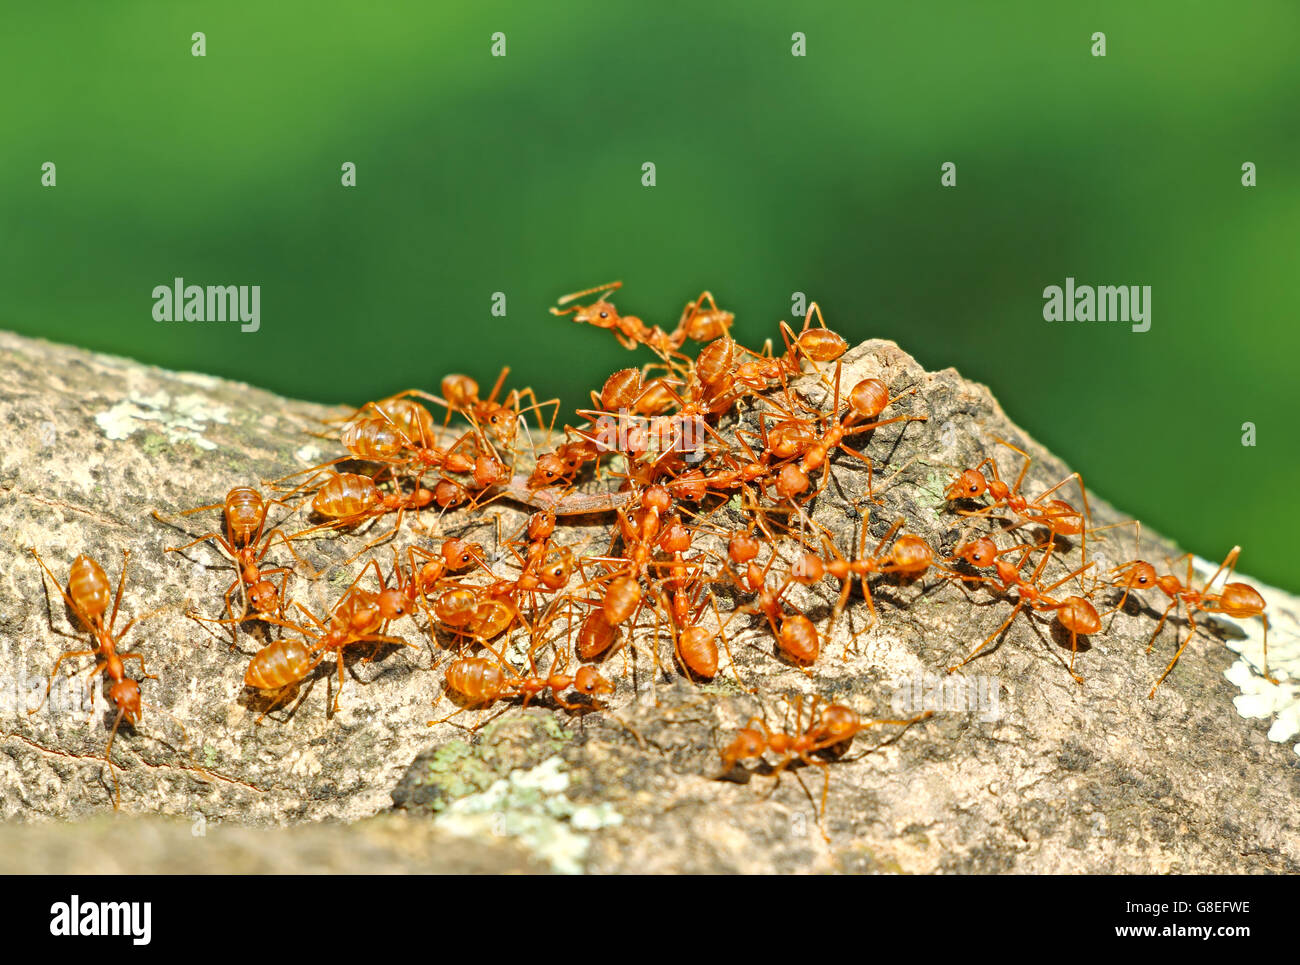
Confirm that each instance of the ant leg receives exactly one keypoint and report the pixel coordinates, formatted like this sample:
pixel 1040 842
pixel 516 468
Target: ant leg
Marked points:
pixel 217 537
pixel 235 584
pixel 54 672
pixel 1023 469
pixel 1074 651
pixel 885 422
pixel 1267 676
pixel 845 591
pixel 722 632
pixel 1229 562
pixel 990 637
pixel 1176 656
pixel 280 696
pixel 342 679
pixel 128 656
pixel 136 619
pixel 62 592
pixel 117 790
pixel 1164 616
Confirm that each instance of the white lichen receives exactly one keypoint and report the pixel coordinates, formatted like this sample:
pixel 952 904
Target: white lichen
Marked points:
pixel 531 807
pixel 180 419
pixel 1260 699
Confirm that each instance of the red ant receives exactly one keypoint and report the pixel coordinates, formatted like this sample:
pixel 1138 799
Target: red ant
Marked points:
pixel 87 597
pixel 1057 515
pixel 798 440
pixel 1075 614
pixel 628 329
pixel 247 542
pixel 909 557
pixel 834 726
pixel 348 499
pixel 360 616
pixel 1238 600
pixel 481 682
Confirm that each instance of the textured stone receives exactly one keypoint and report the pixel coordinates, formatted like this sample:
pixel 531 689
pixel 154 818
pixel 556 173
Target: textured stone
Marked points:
pixel 1063 778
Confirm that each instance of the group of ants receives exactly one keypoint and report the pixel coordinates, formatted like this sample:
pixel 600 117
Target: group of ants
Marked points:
pixel 665 455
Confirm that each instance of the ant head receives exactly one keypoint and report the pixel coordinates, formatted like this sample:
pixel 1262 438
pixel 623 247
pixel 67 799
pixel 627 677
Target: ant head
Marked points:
pixel 969 484
pixel 588 681
pixel 541 525
pixel 263 596
pixel 981 553
pixel 488 471
pixel 1138 575
pixel 126 694
pixel 459 554
pixel 392 604
pixel 448 493
pixel 691 485
pixel 555 575
pixel 749 743
pixel 602 314
pixel 549 470
pixel 676 536
pixel 500 419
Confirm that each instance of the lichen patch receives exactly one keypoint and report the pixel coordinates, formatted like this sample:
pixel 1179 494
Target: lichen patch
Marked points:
pixel 180 419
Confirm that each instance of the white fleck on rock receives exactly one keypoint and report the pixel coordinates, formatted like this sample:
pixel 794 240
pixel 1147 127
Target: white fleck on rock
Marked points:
pixel 180 420
pixel 1259 698
pixel 529 806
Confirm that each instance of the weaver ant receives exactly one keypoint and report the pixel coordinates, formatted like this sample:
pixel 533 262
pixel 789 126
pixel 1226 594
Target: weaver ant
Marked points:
pixel 87 597
pixel 1076 615
pixel 481 682
pixel 247 541
pixel 834 726
pixel 1238 600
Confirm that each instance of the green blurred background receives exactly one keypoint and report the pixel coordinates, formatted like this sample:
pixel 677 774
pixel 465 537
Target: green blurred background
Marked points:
pixel 775 174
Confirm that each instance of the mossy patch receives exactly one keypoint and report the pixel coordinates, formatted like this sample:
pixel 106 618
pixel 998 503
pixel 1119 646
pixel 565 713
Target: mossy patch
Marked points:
pixel 460 768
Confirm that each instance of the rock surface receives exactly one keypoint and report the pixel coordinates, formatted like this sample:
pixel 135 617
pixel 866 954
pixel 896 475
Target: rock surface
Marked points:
pixel 1021 770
